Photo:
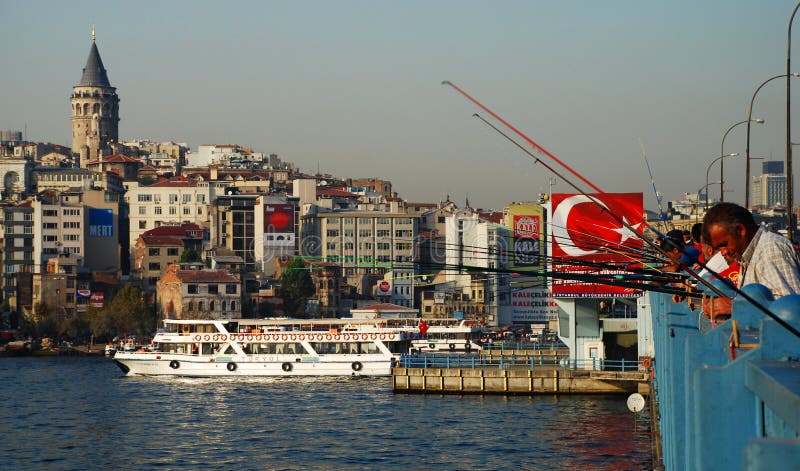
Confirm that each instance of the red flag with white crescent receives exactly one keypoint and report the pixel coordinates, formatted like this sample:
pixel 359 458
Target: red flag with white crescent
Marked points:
pixel 597 228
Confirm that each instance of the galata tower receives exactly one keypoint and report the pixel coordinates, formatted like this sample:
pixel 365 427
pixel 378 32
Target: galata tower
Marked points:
pixel 95 110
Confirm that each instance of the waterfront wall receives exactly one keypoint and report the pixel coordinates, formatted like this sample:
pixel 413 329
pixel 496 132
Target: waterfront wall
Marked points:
pixel 517 381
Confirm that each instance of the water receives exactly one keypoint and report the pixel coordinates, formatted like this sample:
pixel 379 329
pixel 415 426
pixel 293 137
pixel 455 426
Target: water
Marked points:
pixel 81 413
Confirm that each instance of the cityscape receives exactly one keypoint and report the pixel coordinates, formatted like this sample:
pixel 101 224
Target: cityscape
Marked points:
pixel 230 282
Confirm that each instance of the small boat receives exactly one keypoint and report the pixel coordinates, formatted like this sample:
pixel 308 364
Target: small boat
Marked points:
pixel 272 347
pixel 110 350
pixel 450 335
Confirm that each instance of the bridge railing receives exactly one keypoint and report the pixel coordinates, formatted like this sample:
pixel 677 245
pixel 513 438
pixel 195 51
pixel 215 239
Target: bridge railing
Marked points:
pixel 727 395
pixel 512 362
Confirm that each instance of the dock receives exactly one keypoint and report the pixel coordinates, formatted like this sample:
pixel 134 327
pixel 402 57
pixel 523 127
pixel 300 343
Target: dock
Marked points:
pixel 514 380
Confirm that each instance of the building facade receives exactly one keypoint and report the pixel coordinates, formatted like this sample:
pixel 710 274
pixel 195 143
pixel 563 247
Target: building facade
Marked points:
pixel 199 294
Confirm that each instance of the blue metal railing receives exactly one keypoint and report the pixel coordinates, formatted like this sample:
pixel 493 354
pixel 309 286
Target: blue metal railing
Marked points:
pixel 522 362
pixel 723 407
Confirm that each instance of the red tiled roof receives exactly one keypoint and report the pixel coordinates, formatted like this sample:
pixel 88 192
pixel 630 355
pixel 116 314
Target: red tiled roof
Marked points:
pixel 179 231
pixel 421 205
pixel 174 182
pixel 149 240
pixel 205 276
pixel 496 218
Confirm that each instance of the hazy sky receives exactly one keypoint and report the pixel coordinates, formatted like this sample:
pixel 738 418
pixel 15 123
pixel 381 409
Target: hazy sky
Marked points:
pixel 354 87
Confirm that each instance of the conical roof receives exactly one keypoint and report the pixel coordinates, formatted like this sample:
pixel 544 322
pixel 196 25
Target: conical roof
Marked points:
pixel 94 74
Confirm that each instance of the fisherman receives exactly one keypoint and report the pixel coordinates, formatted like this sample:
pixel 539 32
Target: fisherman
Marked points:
pixel 764 257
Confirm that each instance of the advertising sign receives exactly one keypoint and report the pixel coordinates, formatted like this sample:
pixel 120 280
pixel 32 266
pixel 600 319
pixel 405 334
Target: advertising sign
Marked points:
pixel 438 297
pixel 101 222
pixel 384 288
pixel 525 224
pixel 97 299
pixel 278 218
pixel 532 305
pixel 588 238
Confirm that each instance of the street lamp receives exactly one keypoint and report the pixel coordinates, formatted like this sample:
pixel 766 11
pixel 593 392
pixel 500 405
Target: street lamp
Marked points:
pixel 789 175
pixel 747 144
pixel 704 187
pixel 709 169
pixel 722 164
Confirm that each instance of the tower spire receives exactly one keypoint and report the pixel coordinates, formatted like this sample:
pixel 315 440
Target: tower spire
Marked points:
pixel 93 35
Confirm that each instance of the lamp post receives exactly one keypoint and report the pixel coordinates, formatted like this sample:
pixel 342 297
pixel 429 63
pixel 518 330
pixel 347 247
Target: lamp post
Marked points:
pixel 747 143
pixel 789 175
pixel 704 187
pixel 720 158
pixel 722 163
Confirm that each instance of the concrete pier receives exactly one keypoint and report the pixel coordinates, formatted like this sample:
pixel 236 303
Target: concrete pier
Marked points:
pixel 490 380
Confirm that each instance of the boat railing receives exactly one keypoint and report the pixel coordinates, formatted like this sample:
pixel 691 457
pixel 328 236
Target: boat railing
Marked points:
pixel 523 345
pixel 550 362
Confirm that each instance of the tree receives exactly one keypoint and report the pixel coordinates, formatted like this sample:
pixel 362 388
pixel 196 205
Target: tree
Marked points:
pixel 190 256
pixel 127 313
pixel 296 287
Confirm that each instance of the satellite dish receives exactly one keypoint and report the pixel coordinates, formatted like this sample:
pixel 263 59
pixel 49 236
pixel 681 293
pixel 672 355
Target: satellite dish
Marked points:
pixel 636 402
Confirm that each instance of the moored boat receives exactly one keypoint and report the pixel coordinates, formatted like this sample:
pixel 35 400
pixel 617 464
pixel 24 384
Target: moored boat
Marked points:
pixel 272 347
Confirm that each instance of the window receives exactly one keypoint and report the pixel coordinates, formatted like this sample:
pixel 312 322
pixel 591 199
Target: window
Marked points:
pixel 382 233
pixel 213 289
pixel 173 198
pixel 72 237
pixel 47 238
pixel 333 233
pixel 72 249
pixel 187 210
pixel 145 198
pixel 211 305
pixel 172 251
pixel 72 212
pixel 154 251
pixel 365 233
pixel 154 266
pixel 233 305
pixel 230 289
pixel 173 210
pixel 49 213
pixel 192 289
pixel 71 225
pixel 142 224
pixel 158 210
pixel 440 219
pixel 142 210
pixel 187 199
pixel 50 225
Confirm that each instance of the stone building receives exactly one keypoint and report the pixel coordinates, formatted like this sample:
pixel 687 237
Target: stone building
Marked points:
pixel 198 294
pixel 95 110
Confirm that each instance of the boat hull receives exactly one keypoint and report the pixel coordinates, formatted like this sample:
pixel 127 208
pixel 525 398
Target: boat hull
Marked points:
pixel 147 364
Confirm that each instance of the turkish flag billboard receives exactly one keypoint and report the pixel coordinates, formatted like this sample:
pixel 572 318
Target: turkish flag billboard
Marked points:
pixel 588 237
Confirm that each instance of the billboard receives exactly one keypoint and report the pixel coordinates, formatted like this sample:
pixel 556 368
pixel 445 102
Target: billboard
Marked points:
pixel 384 288
pixel 588 236
pixel 526 224
pixel 278 218
pixel 101 222
pixel 532 305
pixel 97 299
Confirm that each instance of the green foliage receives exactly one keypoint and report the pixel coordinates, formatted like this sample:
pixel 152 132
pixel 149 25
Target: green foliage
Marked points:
pixel 127 313
pixel 296 287
pixel 190 256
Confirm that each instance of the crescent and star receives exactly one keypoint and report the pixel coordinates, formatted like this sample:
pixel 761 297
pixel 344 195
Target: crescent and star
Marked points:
pixel 561 234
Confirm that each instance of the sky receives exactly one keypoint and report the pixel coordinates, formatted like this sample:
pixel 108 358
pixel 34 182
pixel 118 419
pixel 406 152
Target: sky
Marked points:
pixel 353 88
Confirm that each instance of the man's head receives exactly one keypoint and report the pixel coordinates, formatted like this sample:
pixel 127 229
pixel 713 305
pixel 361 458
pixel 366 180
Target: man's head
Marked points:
pixel 728 228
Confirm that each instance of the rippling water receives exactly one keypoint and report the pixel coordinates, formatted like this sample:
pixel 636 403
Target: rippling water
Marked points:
pixel 80 413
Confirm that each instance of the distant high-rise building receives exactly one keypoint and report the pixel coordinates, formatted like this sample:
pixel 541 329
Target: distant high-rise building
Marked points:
pixel 769 191
pixel 772 167
pixel 95 110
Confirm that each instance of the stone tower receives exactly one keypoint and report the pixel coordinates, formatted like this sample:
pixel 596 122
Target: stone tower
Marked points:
pixel 95 110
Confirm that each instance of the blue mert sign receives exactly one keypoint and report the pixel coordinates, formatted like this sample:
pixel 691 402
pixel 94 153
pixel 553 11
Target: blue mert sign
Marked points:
pixel 101 222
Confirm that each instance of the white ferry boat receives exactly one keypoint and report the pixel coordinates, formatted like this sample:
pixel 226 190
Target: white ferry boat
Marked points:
pixel 272 347
pixel 450 335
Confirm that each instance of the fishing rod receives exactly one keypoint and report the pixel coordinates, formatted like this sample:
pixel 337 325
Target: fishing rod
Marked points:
pixel 661 214
pixel 691 272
